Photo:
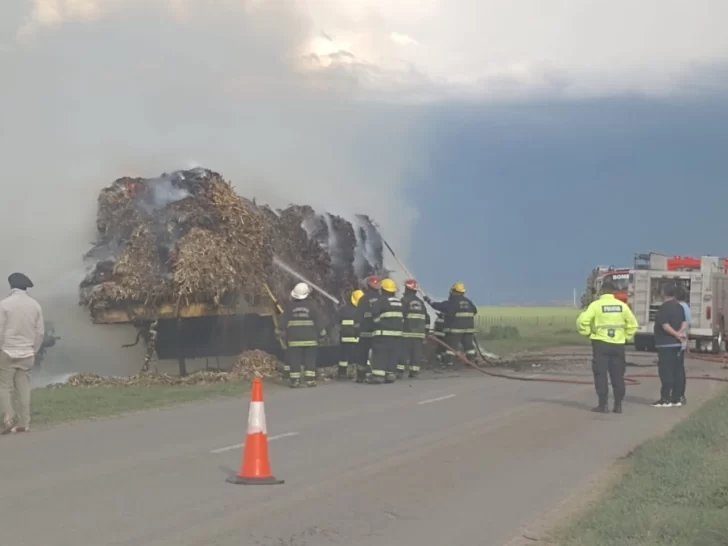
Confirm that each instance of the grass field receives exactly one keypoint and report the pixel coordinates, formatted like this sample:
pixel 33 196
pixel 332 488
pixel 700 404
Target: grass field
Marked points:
pixel 538 327
pixel 58 405
pixel 674 493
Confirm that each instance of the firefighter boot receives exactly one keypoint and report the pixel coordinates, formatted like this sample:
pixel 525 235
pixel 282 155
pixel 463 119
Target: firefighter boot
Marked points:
pixel 361 373
pixel 286 372
pixel 343 371
pixel 294 383
pixel 375 379
pixel 390 378
pixel 601 407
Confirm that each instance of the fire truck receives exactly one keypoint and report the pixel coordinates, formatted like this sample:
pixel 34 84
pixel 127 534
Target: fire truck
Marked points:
pixel 620 280
pixel 705 280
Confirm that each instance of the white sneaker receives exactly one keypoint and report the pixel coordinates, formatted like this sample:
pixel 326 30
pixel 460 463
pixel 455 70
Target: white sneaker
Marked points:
pixel 676 404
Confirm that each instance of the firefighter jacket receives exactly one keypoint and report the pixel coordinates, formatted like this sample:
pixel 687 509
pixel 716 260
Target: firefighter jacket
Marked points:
pixel 459 314
pixel 416 319
pixel 349 321
pixel 439 330
pixel 609 320
pixel 302 323
pixel 366 328
pixel 387 316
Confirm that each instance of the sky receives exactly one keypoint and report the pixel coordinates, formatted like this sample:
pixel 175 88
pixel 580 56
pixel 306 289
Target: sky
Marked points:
pixel 509 145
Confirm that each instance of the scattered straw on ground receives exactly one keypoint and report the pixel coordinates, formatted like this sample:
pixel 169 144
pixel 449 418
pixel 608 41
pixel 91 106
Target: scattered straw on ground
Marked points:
pixel 250 364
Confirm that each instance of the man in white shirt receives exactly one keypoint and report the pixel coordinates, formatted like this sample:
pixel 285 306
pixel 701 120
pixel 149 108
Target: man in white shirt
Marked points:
pixel 21 335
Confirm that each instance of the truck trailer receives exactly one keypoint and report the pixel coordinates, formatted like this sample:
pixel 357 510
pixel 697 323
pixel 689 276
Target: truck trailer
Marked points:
pixel 706 287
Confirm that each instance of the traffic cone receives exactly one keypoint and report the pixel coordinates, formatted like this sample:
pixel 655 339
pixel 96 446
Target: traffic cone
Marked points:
pixel 255 467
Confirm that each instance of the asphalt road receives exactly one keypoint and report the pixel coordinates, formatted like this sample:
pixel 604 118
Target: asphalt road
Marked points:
pixel 462 460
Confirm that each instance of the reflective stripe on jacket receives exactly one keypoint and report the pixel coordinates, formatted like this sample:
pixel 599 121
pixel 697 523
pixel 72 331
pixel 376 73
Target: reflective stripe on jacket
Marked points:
pixel 302 324
pixel 608 319
pixel 387 317
pixel 416 319
pixel 349 321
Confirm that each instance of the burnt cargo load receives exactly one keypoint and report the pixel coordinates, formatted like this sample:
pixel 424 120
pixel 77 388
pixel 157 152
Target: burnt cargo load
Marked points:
pixel 185 245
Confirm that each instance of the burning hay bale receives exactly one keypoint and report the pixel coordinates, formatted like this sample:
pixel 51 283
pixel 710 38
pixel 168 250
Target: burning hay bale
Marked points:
pixel 184 237
pixel 187 237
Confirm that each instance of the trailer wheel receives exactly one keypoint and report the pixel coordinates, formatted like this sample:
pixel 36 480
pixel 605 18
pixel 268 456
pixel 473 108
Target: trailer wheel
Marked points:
pixel 716 346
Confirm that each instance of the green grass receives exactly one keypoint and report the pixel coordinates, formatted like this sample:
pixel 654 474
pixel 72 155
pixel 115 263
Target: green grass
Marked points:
pixel 674 493
pixel 538 328
pixel 58 405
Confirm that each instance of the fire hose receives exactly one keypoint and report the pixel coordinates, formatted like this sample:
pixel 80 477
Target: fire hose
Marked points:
pixel 631 379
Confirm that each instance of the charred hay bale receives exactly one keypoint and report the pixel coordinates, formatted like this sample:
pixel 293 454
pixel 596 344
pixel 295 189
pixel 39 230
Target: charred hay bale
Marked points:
pixel 136 275
pixel 185 236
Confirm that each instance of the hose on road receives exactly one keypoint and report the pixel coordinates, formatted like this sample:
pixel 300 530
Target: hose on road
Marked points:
pixel 631 379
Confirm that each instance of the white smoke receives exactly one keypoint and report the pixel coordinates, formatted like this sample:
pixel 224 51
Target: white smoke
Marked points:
pixel 131 88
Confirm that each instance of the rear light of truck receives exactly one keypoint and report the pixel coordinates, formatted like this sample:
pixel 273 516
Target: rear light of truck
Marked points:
pixel 707 312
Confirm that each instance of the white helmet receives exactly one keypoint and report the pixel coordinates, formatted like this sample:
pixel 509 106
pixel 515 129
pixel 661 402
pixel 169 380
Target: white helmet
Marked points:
pixel 301 291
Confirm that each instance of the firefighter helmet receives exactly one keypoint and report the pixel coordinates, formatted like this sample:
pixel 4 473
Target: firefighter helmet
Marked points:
pixel 301 291
pixel 373 282
pixel 388 285
pixel 458 288
pixel 356 296
pixel 412 285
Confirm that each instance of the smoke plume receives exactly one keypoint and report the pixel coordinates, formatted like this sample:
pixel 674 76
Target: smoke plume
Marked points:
pixel 139 88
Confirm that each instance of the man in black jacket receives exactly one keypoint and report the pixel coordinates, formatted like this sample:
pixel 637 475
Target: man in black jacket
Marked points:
pixel 459 314
pixel 670 328
pixel 366 327
pixel 349 319
pixel 303 326
pixel 416 322
pixel 388 322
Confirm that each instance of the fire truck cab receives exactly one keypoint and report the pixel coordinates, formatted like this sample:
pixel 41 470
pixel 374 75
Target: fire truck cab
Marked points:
pixel 706 285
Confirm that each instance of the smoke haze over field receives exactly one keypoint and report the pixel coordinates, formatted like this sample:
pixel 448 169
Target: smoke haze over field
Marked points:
pixel 147 89
pixel 340 105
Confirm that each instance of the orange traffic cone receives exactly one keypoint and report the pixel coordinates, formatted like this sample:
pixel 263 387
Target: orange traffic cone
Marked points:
pixel 255 467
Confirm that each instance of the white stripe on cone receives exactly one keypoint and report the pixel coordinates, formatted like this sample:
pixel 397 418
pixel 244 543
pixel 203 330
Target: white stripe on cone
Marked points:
pixel 256 419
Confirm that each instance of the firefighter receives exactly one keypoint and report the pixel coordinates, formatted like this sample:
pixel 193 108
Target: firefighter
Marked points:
pixel 416 322
pixel 439 333
pixel 348 343
pixel 303 326
pixel 388 322
pixel 366 328
pixel 459 314
pixel 609 324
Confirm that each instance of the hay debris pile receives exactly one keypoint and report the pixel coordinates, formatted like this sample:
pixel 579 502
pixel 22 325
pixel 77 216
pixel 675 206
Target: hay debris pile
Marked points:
pixel 250 364
pixel 188 237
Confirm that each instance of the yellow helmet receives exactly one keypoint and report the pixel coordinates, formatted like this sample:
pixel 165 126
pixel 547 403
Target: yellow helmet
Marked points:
pixel 356 296
pixel 388 285
pixel 458 287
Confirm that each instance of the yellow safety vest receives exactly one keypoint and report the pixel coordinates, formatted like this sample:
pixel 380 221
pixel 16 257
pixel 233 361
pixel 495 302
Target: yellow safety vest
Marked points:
pixel 608 319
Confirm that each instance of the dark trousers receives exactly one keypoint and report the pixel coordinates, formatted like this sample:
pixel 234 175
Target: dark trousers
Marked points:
pixel 302 360
pixel 457 340
pixel 608 363
pixel 386 354
pixel 348 356
pixel 671 366
pixel 412 354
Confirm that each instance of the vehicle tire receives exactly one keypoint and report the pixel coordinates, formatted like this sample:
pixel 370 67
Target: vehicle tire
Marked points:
pixel 717 344
pixel 639 344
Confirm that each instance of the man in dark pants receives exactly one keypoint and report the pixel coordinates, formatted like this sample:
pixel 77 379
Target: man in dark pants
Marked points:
pixel 609 324
pixel 682 298
pixel 416 322
pixel 670 328
pixel 303 326
pixel 388 320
